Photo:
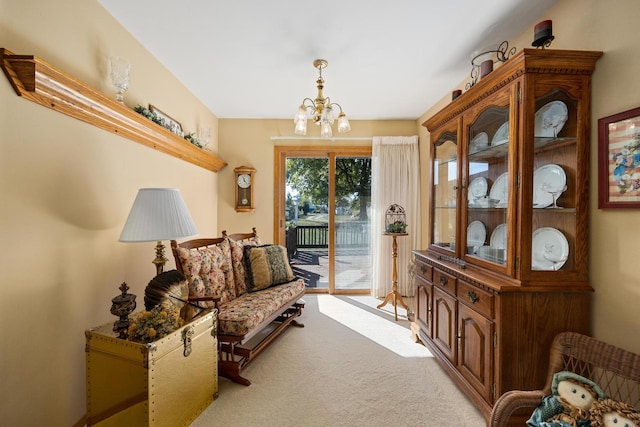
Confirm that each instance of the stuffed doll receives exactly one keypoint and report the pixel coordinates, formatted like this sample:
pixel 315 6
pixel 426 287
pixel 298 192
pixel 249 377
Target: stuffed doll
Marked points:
pixel 568 406
pixel 611 413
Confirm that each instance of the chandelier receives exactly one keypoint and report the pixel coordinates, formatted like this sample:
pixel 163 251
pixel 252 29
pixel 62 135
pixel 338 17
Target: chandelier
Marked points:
pixel 321 110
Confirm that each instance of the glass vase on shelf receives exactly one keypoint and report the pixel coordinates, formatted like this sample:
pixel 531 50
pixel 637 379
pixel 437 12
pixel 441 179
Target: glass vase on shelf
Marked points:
pixel 119 72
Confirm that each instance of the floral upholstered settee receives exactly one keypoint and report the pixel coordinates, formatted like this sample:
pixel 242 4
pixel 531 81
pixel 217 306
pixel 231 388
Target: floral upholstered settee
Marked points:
pixel 252 286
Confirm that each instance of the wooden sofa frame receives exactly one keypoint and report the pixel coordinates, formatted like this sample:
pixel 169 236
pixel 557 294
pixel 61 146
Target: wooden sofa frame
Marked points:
pixel 237 351
pixel 615 370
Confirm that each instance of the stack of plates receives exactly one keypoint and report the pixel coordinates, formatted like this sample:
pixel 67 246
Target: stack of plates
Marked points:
pixel 492 254
pixel 497 249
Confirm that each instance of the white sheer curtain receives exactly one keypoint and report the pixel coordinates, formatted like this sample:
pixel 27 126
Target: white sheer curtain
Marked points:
pixel 395 179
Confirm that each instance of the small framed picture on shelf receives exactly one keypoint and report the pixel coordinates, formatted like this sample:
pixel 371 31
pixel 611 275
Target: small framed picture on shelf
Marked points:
pixel 170 123
pixel 619 160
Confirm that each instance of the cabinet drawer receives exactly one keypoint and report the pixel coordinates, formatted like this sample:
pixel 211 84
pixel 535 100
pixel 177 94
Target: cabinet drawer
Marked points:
pixel 478 299
pixel 423 270
pixel 444 281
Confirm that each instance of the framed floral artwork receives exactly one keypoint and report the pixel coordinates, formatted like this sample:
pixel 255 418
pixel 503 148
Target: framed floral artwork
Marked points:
pixel 619 160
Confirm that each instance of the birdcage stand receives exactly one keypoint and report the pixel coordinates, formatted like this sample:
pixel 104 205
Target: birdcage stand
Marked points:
pixel 394 296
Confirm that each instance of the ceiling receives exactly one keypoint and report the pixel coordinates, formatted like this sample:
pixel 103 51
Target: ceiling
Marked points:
pixel 387 59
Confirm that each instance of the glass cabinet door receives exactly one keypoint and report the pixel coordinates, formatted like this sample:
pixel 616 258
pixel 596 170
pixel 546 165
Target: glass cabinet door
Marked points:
pixel 517 146
pixel 445 190
pixel 487 195
pixel 554 185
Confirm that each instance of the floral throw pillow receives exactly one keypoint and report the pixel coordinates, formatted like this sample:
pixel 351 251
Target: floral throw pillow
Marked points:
pixel 209 272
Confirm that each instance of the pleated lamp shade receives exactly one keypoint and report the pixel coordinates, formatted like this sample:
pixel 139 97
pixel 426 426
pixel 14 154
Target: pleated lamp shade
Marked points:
pixel 158 214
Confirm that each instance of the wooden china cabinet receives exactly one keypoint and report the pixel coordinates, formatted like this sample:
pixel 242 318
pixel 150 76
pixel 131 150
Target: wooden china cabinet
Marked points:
pixel 505 269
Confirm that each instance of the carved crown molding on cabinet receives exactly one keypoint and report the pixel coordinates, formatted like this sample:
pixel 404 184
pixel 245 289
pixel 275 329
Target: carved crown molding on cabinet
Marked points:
pixel 527 61
pixel 39 82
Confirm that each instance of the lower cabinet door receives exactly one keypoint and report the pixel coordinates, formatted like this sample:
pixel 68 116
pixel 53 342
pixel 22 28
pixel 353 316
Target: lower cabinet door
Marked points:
pixel 475 355
pixel 424 296
pixel 444 323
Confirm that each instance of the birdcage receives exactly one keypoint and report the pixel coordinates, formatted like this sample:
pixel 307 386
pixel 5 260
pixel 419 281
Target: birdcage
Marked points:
pixel 395 219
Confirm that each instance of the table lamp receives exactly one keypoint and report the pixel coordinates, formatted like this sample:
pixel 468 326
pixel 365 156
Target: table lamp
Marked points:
pixel 158 214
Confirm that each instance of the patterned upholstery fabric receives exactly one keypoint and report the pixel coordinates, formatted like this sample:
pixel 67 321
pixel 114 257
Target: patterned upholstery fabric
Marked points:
pixel 239 316
pixel 266 266
pixel 209 271
pixel 219 270
pixel 237 257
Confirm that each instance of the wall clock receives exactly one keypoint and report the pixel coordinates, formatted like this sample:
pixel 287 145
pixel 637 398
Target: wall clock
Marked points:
pixel 244 184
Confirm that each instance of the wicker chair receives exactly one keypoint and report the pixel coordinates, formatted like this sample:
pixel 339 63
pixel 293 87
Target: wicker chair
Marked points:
pixel 615 370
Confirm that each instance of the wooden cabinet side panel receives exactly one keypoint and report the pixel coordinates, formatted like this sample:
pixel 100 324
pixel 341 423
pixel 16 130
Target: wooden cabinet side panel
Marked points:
pixel 527 324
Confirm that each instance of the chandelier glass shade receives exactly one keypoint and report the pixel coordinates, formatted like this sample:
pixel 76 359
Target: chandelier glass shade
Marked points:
pixel 321 110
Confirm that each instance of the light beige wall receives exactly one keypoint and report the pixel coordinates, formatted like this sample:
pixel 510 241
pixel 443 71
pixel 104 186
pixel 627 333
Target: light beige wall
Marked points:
pixel 65 192
pixel 248 143
pixel 66 189
pixel 610 26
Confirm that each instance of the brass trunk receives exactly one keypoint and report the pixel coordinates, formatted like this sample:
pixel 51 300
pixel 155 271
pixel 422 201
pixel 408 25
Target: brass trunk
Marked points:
pixel 168 382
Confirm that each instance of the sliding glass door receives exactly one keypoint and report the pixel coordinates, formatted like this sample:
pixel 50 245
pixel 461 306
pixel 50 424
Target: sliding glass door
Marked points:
pixel 352 181
pixel 323 215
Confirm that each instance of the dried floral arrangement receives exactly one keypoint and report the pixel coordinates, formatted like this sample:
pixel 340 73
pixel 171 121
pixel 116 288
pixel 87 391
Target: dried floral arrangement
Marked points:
pixel 149 326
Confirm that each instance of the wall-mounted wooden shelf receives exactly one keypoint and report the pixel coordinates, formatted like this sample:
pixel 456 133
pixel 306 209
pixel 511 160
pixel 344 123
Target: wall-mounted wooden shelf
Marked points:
pixel 40 82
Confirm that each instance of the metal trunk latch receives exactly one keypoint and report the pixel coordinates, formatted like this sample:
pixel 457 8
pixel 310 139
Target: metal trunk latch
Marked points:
pixel 187 337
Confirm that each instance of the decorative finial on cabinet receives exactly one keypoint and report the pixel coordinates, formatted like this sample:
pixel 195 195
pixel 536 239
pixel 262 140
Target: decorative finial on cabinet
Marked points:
pixel 543 34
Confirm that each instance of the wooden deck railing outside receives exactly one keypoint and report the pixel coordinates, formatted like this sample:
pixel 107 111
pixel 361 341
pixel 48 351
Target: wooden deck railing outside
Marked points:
pixel 350 234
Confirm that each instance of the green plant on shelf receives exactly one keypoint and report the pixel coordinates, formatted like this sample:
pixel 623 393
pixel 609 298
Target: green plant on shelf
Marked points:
pixel 397 227
pixel 192 139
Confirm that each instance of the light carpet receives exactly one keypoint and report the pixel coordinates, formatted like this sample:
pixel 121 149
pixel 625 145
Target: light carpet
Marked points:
pixel 351 365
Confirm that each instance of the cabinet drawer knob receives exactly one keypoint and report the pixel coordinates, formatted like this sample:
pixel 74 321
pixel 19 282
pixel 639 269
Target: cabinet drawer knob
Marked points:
pixel 423 269
pixel 473 297
pixel 443 281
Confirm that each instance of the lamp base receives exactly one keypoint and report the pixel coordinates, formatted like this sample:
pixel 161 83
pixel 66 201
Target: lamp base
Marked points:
pixel 160 260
